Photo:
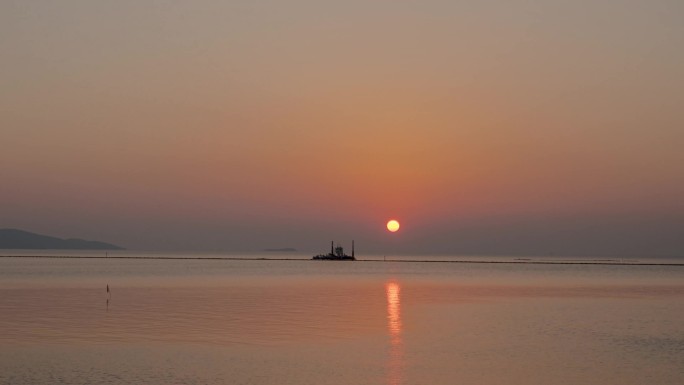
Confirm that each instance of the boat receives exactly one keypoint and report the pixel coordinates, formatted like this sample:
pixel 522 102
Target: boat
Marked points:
pixel 336 254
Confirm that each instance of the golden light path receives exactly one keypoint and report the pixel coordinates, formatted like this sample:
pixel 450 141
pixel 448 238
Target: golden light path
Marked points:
pixel 393 225
pixel 396 353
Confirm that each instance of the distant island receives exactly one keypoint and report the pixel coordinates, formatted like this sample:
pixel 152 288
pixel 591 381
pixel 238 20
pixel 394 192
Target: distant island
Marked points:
pixel 282 250
pixel 20 239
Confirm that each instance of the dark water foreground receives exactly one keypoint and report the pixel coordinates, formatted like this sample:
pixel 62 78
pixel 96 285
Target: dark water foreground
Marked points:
pixel 306 322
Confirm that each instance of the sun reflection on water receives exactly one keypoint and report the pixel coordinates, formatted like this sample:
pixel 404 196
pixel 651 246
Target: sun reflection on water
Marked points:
pixel 396 349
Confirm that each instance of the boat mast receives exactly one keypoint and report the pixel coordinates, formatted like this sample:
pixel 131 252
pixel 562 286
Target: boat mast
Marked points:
pixel 352 248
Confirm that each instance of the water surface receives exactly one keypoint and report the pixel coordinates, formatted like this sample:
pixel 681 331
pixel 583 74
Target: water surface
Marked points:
pixel 323 322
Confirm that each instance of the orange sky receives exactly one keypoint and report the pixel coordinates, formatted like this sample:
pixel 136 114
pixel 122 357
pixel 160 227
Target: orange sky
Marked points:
pixel 245 126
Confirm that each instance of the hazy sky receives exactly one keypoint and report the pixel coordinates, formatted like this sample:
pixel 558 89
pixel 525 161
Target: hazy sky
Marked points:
pixel 482 126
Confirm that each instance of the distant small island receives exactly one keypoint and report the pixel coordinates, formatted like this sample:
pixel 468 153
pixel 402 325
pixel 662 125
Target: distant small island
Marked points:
pixel 20 239
pixel 282 250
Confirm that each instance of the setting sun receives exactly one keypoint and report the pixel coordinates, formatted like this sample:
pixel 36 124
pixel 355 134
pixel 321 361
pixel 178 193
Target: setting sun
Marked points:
pixel 393 225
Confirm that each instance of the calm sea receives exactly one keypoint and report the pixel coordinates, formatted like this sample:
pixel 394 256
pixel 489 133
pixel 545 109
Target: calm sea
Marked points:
pixel 259 321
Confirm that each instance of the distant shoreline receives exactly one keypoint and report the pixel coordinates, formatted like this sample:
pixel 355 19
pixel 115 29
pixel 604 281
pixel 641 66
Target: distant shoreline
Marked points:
pixel 516 262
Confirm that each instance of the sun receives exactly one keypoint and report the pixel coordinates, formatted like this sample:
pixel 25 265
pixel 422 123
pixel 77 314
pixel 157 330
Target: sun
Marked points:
pixel 393 225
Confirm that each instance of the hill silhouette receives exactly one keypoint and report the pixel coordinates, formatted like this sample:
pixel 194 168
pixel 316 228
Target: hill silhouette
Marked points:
pixel 20 239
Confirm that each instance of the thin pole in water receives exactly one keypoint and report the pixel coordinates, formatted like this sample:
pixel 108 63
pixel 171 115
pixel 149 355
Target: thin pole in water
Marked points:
pixel 110 296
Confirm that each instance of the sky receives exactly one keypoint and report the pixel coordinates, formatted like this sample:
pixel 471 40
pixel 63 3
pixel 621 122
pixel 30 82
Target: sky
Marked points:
pixel 484 127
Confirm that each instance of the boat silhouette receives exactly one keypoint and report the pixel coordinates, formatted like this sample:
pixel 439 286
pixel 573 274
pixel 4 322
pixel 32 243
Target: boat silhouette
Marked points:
pixel 336 254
